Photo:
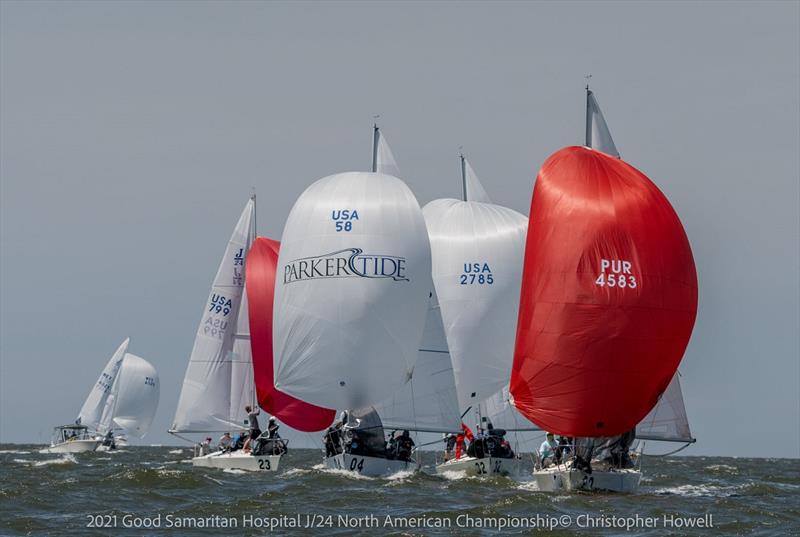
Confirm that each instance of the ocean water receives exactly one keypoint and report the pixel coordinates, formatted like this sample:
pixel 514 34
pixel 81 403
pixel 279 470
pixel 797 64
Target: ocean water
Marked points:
pixel 156 491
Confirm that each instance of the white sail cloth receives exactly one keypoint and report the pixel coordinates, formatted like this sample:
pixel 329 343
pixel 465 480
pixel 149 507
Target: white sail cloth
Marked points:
pixel 477 250
pixel 428 401
pixel 136 396
pixel 474 188
pixel 597 134
pixel 667 421
pixel 351 291
pixel 213 376
pixel 384 157
pixel 97 403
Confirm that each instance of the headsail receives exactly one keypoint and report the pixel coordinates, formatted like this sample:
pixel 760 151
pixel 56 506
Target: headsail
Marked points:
pixel 262 261
pixel 137 395
pixel 428 401
pixel 667 421
pixel 352 292
pixel 205 400
pixel 609 297
pixel 597 134
pixel 477 251
pixel 97 403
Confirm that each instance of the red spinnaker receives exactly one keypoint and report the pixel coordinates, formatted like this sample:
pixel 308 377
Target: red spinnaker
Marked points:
pixel 262 261
pixel 609 297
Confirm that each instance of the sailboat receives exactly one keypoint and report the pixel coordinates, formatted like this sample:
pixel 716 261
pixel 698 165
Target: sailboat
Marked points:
pixel 350 305
pixel 608 303
pixel 125 397
pixel 477 248
pixel 218 384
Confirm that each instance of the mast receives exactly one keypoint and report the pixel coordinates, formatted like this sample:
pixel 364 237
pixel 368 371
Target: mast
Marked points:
pixel 463 177
pixel 254 233
pixel 588 116
pixel 376 133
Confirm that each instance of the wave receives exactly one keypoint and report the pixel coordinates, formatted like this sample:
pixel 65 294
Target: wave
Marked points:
pixel 66 458
pixel 235 471
pixel 14 451
pixel 175 451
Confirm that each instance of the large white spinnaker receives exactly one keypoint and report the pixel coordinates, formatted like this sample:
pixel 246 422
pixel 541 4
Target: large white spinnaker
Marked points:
pixel 205 401
pixel 428 401
pixel 477 250
pixel 136 396
pixel 351 292
pixel 97 404
pixel 667 421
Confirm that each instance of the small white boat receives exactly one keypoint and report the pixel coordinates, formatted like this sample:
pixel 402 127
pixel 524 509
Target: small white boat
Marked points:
pixel 369 466
pixel 563 479
pixel 71 439
pixel 487 466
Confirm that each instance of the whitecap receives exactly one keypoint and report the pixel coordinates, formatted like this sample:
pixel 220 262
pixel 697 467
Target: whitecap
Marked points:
pixel 233 471
pixel 175 451
pixel 699 491
pixel 14 451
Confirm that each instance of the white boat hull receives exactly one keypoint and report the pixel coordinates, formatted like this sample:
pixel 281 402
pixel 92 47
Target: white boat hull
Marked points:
pixel 563 479
pixel 238 460
pixel 72 446
pixel 485 466
pixel 369 466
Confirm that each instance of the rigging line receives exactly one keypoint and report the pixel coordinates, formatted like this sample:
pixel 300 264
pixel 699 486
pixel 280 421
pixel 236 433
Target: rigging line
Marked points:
pixel 687 444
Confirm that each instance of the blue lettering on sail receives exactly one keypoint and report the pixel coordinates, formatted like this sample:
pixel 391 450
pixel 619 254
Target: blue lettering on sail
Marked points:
pixel 476 274
pixel 343 219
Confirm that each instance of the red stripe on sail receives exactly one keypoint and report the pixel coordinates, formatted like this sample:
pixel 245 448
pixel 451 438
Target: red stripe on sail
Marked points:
pixel 609 297
pixel 262 262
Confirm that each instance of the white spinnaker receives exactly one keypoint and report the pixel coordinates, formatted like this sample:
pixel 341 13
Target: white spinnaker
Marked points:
pixel 667 420
pixel 137 395
pixel 428 401
pixel 96 403
pixel 597 134
pixel 385 162
pixel 344 340
pixel 241 358
pixel 205 401
pixel 477 250
pixel 475 190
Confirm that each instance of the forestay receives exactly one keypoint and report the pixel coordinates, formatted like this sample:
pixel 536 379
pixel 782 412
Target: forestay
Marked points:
pixel 97 403
pixel 209 393
pixel 352 291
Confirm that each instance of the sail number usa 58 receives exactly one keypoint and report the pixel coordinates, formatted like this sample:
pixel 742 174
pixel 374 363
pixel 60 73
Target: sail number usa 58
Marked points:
pixel 616 273
pixel 343 219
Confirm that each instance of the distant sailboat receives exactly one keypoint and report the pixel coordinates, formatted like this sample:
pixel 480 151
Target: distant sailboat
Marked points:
pixel 350 304
pixel 124 397
pixel 219 378
pixel 609 298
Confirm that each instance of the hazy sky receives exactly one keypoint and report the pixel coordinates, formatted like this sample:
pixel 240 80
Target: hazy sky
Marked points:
pixel 131 135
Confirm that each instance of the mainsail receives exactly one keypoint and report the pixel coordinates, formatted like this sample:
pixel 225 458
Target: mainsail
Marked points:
pixel 217 360
pixel 597 133
pixel 352 291
pixel 97 404
pixel 667 421
pixel 609 297
pixel 428 401
pixel 137 395
pixel 477 250
pixel 382 158
pixel 262 261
